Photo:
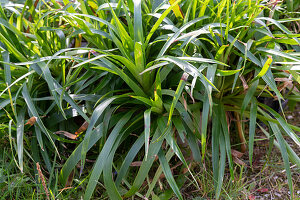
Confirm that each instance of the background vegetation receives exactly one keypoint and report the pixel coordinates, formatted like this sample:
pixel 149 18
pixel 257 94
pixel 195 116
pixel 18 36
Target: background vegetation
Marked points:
pixel 143 99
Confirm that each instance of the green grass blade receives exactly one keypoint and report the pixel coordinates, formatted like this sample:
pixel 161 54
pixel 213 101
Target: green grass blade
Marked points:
pixel 121 47
pixel 138 26
pixel 168 174
pixel 221 72
pixel 142 99
pixel 139 57
pixel 129 21
pixel 95 116
pixel 236 76
pixel 50 81
pixel 146 165
pixel 207 108
pixel 158 173
pixel 252 126
pixel 39 137
pixel 241 48
pixel 69 99
pixel 226 136
pixel 279 54
pixel 159 21
pixel 7 71
pixel 269 79
pixel 74 158
pixel 99 165
pixel 11 48
pixel 248 96
pixel 175 36
pixel 282 123
pixel 132 84
pixel 190 69
pixel 175 148
pixel 34 112
pixel 222 163
pixel 216 131
pixel 179 127
pixel 193 145
pixel 283 28
pixel 16 81
pixel 284 154
pixel 264 70
pixel 20 136
pixel 292 155
pixel 129 157
pixel 177 95
pixel 122 33
pixel 147 118
pixel 109 184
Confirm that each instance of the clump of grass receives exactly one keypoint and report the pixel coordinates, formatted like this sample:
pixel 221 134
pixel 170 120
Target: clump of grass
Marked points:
pixel 13 184
pixel 157 84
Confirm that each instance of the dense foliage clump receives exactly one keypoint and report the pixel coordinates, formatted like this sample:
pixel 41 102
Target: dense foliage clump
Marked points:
pixel 115 97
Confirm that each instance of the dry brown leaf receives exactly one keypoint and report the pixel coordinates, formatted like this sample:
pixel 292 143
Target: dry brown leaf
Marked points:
pixel 185 170
pixel 66 188
pixel 238 161
pixel 136 164
pixel 245 85
pixel 191 97
pixel 82 128
pixel 283 79
pixel 70 179
pixel 236 153
pixel 31 121
pixel 240 132
pixel 160 185
pixel 287 83
pixel 67 134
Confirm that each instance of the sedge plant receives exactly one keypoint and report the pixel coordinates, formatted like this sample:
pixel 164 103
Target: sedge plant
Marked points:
pixel 157 82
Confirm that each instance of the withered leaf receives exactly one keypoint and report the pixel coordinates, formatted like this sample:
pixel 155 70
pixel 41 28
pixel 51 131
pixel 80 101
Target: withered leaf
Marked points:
pixel 136 164
pixel 31 121
pixel 82 128
pixel 238 161
pixel 67 134
pixel 236 153
pixel 70 179
pixel 245 85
